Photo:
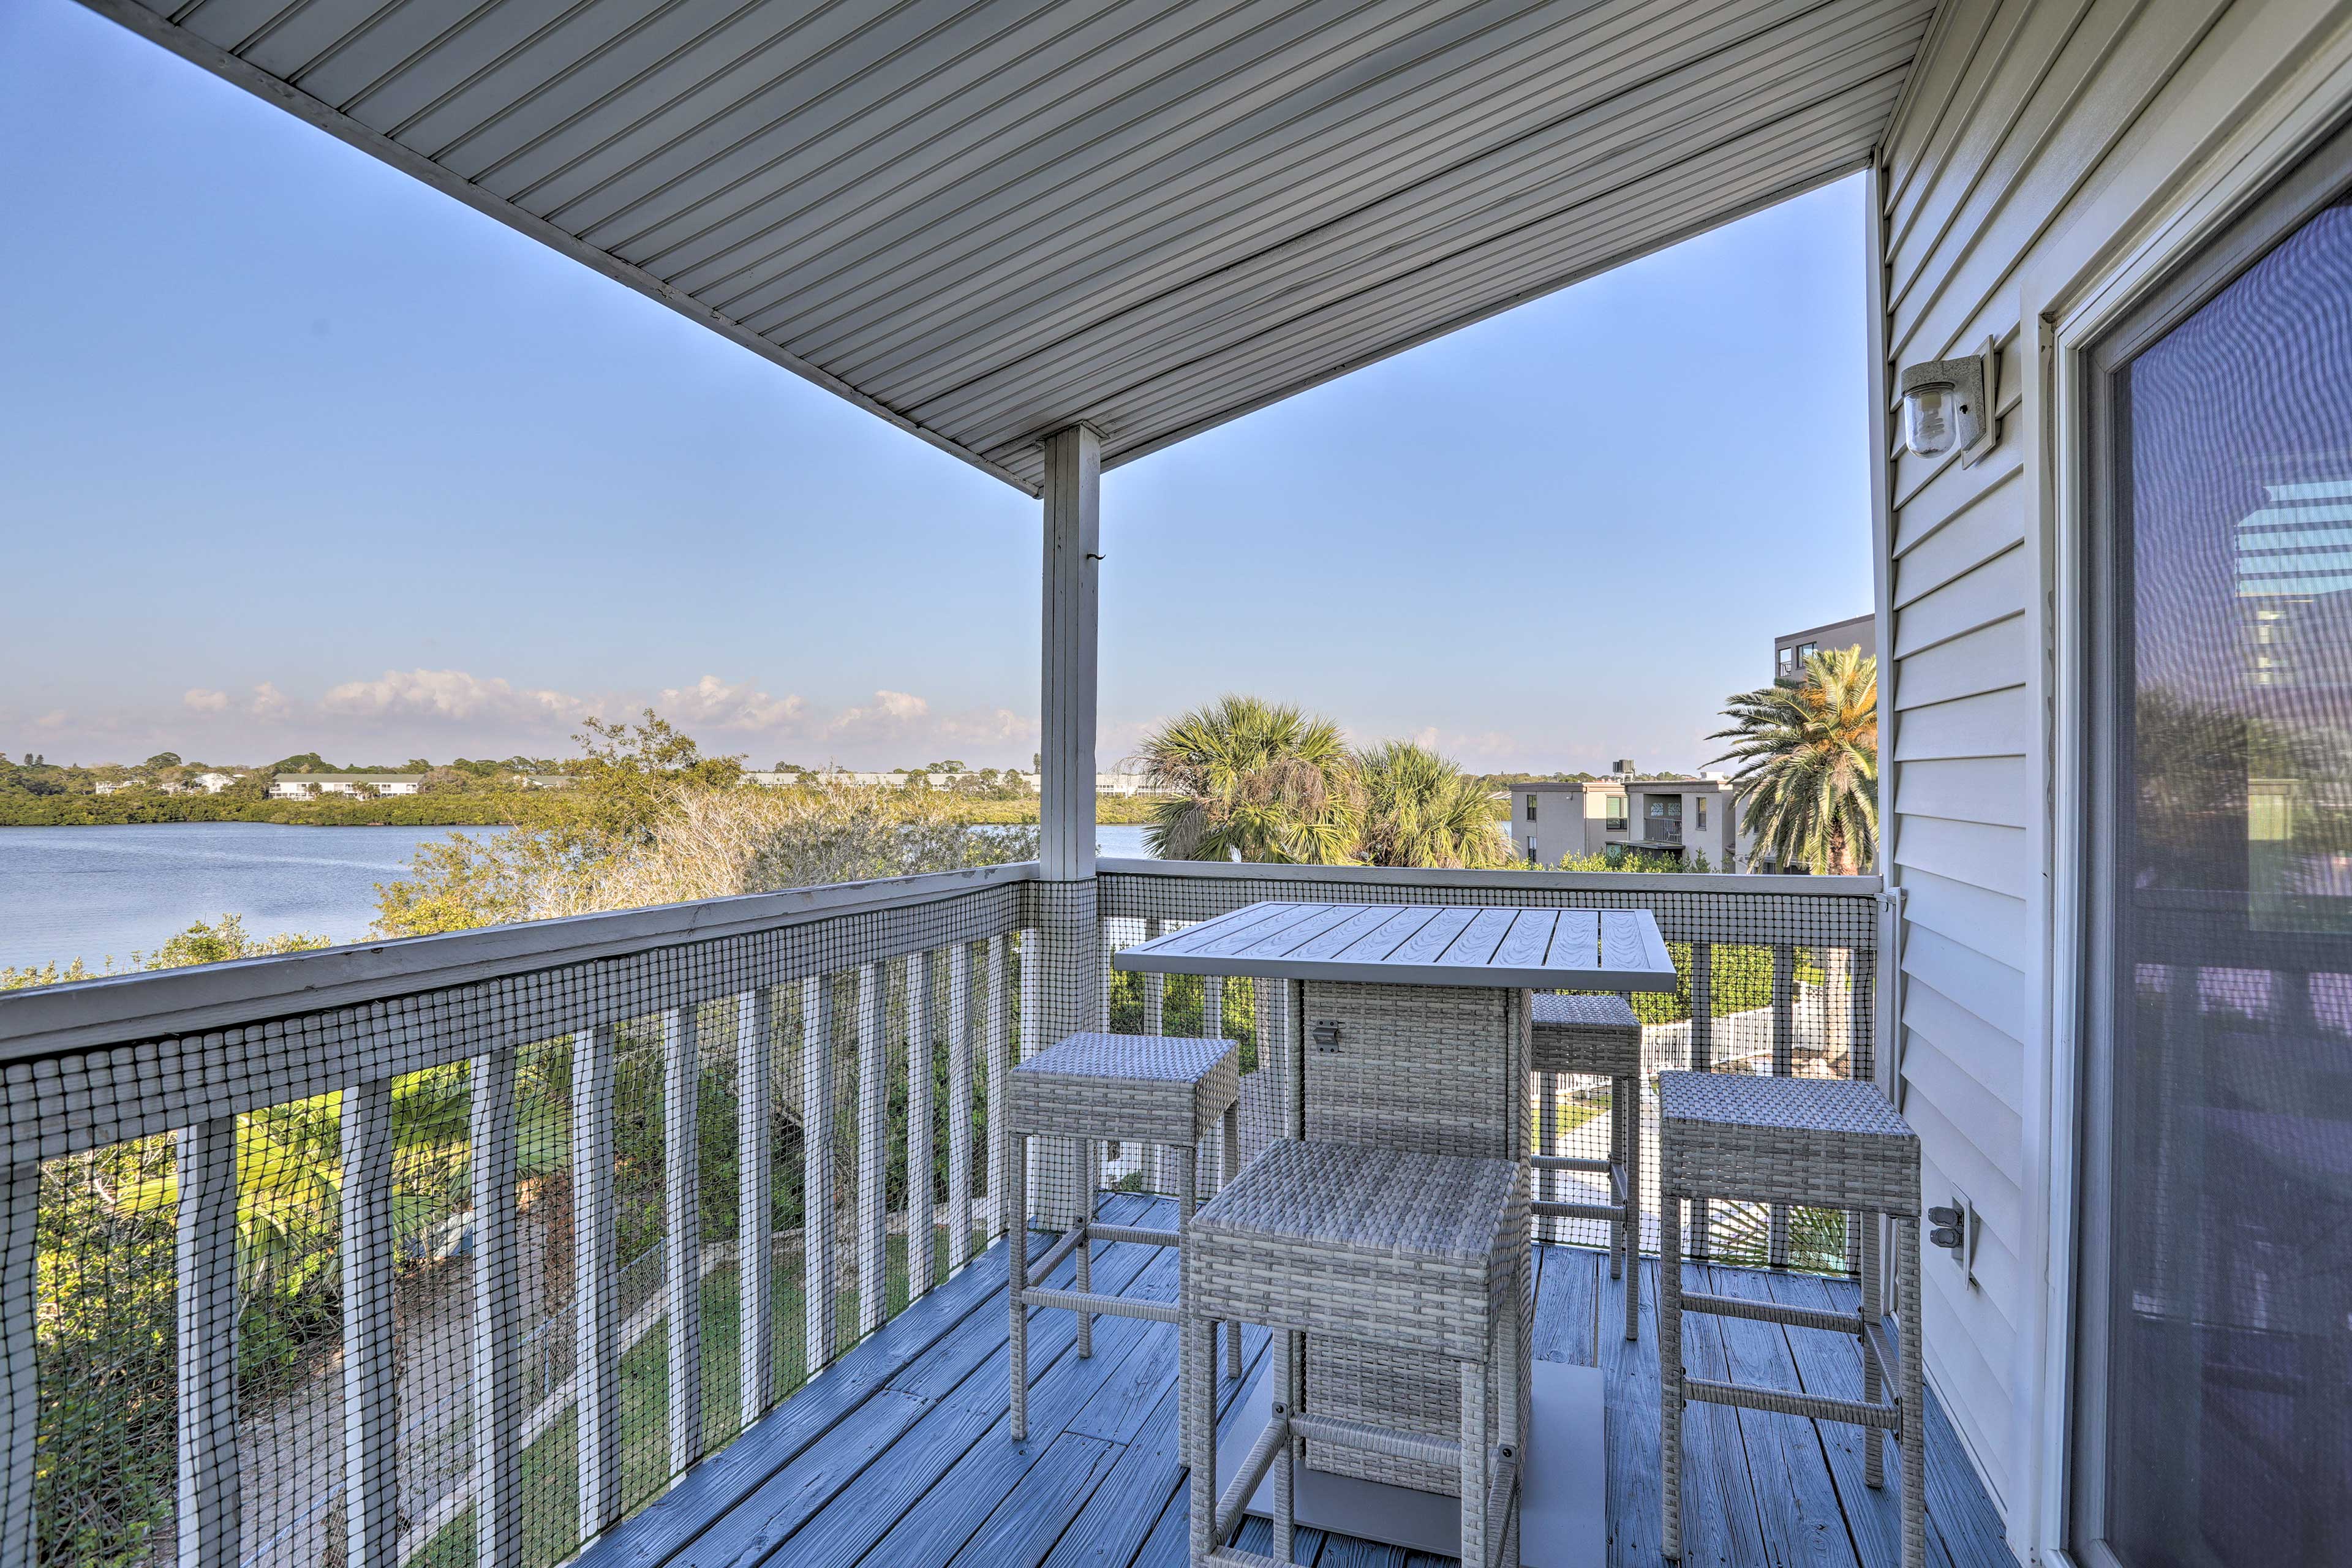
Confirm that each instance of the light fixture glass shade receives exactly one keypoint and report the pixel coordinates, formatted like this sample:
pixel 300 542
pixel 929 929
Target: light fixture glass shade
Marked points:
pixel 1945 405
pixel 1928 417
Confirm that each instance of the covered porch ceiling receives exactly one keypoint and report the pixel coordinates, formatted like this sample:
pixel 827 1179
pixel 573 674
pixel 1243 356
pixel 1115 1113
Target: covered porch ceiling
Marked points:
pixel 988 221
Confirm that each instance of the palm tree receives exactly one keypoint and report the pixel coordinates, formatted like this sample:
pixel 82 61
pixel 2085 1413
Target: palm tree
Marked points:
pixel 1420 809
pixel 1809 765
pixel 1250 780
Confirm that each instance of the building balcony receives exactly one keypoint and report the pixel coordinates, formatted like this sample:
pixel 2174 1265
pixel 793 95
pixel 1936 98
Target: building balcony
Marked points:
pixel 437 1247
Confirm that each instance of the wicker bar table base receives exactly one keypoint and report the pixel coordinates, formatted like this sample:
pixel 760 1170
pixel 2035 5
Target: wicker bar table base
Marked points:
pixel 1594 1036
pixel 1818 1143
pixel 1145 1089
pixel 1396 1255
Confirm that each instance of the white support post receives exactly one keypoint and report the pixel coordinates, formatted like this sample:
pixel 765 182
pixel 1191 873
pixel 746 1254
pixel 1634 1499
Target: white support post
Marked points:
pixel 1066 850
pixel 1069 969
pixel 919 1125
pixel 20 1407
pixel 755 1224
pixel 595 1282
pixel 370 1367
pixel 682 1249
pixel 873 1124
pixel 497 1390
pixel 958 1105
pixel 818 1247
pixel 208 1330
pixel 998 1043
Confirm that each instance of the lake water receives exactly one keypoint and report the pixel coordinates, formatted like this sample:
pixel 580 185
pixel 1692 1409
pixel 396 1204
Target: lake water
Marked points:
pixel 91 892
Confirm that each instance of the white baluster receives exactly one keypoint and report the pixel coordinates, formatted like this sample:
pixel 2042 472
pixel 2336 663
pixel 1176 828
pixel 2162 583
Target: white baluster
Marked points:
pixel 20 1405
pixel 958 1105
pixel 819 1252
pixel 872 1125
pixel 597 1317
pixel 370 1402
pixel 754 1222
pixel 207 1332
pixel 998 1043
pixel 682 1249
pixel 497 1306
pixel 919 1125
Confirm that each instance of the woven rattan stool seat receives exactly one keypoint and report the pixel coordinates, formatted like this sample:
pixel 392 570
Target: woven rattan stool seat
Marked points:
pixel 1330 1243
pixel 1815 1141
pixel 1407 1250
pixel 1596 1035
pixel 1153 1088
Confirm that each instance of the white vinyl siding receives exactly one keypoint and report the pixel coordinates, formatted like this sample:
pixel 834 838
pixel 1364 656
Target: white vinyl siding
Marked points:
pixel 2036 138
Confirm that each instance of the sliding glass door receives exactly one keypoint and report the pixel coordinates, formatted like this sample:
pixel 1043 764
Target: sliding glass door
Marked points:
pixel 2216 1373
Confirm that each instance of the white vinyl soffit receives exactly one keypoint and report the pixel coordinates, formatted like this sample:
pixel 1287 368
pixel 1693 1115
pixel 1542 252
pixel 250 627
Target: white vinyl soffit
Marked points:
pixel 984 223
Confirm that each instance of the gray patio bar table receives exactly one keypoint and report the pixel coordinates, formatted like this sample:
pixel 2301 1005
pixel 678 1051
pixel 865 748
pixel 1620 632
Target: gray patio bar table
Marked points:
pixel 1408 1029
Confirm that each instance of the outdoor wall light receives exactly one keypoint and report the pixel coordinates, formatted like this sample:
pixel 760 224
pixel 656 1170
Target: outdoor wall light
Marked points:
pixel 1947 403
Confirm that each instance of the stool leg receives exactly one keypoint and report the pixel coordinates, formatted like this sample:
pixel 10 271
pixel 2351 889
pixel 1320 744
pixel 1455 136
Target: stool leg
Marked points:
pixel 1873 1460
pixel 1185 1371
pixel 1090 1170
pixel 1017 1263
pixel 1285 1501
pixel 1229 1159
pixel 1198 1389
pixel 1913 1397
pixel 1670 1371
pixel 1631 1119
pixel 1618 1252
pixel 1475 1374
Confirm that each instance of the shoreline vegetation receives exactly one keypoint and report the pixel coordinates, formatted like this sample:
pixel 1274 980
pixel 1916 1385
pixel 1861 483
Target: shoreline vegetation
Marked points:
pixel 469 809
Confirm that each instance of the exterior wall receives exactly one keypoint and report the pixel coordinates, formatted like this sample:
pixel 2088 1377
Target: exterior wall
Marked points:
pixel 1573 818
pixel 2042 147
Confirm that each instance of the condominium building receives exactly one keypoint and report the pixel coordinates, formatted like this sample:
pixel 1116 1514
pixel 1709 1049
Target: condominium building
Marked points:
pixel 1553 819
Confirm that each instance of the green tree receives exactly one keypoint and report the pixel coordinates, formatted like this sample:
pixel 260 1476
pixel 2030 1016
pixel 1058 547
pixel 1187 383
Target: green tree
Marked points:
pixel 302 763
pixel 1808 757
pixel 1253 780
pixel 1420 809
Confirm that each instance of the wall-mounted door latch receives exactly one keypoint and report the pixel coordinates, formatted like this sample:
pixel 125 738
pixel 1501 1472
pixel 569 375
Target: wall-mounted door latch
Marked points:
pixel 1327 1034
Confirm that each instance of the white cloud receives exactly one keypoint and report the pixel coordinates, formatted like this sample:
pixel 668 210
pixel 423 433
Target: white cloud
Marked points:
pixel 447 694
pixel 713 702
pixel 268 702
pixel 55 719
pixel 197 699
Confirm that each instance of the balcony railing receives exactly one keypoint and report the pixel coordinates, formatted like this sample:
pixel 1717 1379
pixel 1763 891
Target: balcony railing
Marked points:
pixel 1663 830
pixel 464 1247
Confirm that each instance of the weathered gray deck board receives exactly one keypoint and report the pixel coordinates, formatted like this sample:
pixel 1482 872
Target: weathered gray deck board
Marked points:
pixel 908 1459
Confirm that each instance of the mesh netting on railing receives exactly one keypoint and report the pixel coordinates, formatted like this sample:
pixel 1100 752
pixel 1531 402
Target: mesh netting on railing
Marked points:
pixel 466 1273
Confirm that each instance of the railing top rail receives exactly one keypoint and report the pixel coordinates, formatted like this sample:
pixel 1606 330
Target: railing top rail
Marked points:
pixel 1550 881
pixel 46 1020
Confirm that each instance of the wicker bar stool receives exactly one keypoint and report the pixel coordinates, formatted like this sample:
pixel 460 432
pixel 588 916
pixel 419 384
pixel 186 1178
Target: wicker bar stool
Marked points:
pixel 1820 1143
pixel 1600 1037
pixel 1145 1089
pixel 1401 1254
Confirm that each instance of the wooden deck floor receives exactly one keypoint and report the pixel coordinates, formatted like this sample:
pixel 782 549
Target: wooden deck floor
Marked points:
pixel 899 1455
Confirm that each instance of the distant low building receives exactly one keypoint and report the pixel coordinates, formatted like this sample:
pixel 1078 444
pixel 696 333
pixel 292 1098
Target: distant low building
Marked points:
pixel 309 786
pixel 213 783
pixel 1553 819
pixel 546 781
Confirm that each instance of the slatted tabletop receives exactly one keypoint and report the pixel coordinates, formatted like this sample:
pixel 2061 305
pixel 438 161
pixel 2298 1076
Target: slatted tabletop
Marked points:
pixel 1421 944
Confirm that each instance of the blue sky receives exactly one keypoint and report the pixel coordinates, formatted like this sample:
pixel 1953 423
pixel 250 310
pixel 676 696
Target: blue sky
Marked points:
pixel 303 456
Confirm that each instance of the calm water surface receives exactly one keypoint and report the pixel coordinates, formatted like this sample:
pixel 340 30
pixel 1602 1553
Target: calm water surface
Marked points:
pixel 89 892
